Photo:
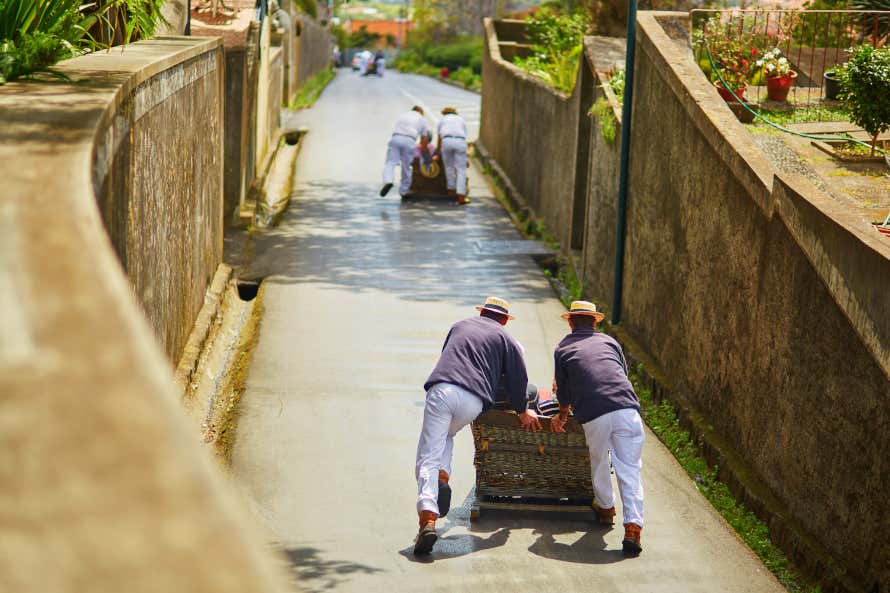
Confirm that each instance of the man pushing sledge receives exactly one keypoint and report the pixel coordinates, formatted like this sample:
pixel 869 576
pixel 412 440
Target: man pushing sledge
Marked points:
pixel 477 352
pixel 591 381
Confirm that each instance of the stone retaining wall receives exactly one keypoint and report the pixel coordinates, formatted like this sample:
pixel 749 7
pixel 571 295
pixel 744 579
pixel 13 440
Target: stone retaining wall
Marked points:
pixel 157 173
pixel 531 131
pixel 739 311
pixel 761 305
pixel 109 489
pixel 597 264
pixel 315 46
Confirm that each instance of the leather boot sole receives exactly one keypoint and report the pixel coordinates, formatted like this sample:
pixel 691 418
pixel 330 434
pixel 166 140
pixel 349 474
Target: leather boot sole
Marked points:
pixel 423 545
pixel 631 548
pixel 444 500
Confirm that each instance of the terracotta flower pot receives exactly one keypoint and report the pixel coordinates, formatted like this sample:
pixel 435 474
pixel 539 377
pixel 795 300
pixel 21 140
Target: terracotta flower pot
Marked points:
pixel 727 96
pixel 777 87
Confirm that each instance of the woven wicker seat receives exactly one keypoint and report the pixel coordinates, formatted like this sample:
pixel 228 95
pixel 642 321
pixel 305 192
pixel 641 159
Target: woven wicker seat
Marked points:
pixel 521 470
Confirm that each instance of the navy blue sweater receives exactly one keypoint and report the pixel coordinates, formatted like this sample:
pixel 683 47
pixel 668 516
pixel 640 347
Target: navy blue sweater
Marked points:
pixel 591 375
pixel 476 353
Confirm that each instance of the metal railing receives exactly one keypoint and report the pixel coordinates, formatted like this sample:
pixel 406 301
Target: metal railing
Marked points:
pixel 812 41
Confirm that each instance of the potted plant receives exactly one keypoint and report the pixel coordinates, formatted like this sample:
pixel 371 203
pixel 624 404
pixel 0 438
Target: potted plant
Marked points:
pixel 732 53
pixel 832 88
pixel 864 82
pixel 779 75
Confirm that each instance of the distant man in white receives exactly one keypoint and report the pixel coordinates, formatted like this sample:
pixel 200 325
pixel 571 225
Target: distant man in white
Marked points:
pixel 452 133
pixel 364 59
pixel 409 127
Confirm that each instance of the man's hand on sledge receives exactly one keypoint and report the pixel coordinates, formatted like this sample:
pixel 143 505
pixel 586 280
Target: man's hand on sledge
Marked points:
pixel 558 422
pixel 529 421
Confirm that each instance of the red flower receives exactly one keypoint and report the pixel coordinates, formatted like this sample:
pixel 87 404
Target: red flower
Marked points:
pixel 754 52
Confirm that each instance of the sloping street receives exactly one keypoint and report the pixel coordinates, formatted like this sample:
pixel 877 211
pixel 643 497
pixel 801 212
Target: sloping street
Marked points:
pixel 359 294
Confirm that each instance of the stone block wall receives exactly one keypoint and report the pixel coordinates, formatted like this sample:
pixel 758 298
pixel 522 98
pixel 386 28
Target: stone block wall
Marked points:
pixel 315 46
pixel 531 131
pixel 158 180
pixel 275 96
pixel 741 314
pixel 97 454
pixel 760 303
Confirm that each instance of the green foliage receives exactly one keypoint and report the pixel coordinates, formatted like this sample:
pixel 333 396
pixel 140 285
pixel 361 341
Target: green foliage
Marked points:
pixel 467 77
pixel 310 90
pixel 35 34
pixel 309 7
pixel 865 89
pixel 461 56
pixel 341 36
pixel 867 21
pixel 734 47
pixel 602 110
pixel 362 38
pixel 462 53
pixel 616 83
pixel 556 39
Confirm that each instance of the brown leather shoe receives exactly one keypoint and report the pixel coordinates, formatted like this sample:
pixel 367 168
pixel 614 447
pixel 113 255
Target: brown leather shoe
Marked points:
pixel 631 544
pixel 426 536
pixel 444 500
pixel 604 516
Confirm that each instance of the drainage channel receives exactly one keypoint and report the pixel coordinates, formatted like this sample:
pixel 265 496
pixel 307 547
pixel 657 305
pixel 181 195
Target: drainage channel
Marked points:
pixel 248 289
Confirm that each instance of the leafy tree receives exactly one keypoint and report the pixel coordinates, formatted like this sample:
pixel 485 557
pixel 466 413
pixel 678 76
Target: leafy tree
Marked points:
pixel 363 38
pixel 865 89
pixel 871 24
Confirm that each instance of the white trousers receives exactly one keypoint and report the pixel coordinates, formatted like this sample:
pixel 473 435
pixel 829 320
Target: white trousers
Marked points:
pixel 400 152
pixel 448 409
pixel 454 159
pixel 622 432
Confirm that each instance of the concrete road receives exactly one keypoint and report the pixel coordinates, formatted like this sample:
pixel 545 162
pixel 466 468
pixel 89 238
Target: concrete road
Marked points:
pixel 359 294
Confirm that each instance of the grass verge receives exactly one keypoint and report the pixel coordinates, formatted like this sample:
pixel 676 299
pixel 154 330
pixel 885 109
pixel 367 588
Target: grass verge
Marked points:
pixel 310 90
pixel 663 419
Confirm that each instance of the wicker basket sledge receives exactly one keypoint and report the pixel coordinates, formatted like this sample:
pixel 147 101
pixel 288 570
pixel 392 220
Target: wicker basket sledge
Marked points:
pixel 521 470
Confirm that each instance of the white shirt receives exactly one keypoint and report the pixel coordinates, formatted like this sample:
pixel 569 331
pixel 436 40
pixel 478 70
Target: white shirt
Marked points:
pixel 452 124
pixel 411 124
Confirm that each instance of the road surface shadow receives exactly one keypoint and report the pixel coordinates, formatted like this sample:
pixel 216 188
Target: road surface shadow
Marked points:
pixel 316 574
pixel 588 548
pixel 343 234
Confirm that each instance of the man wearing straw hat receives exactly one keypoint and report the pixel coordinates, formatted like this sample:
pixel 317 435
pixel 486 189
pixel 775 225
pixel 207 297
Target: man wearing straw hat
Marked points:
pixel 452 133
pixel 478 351
pixel 592 382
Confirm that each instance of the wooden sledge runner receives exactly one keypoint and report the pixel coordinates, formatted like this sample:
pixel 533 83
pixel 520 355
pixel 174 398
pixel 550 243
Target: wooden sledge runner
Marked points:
pixel 526 471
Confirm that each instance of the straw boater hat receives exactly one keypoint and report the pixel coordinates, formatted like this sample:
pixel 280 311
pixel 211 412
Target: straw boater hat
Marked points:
pixel 496 305
pixel 448 110
pixel 583 308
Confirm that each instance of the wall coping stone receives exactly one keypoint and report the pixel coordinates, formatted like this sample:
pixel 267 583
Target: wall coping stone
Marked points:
pixel 95 426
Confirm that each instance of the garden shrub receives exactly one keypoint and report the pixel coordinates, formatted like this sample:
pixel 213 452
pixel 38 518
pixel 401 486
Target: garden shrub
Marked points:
pixel 454 56
pixel 865 89
pixel 467 77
